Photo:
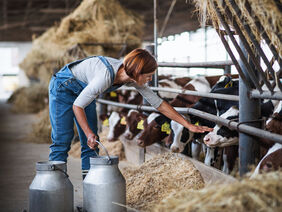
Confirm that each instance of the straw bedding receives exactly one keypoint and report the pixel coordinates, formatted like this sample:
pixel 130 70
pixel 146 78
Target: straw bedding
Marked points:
pixel 149 183
pixel 94 21
pixel 260 194
pixel 29 99
pixel 266 11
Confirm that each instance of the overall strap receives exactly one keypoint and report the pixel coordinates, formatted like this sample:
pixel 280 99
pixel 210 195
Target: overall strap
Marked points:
pixel 109 67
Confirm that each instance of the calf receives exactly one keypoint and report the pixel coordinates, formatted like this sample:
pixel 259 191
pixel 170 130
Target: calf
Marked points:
pixel 117 125
pixel 182 136
pixel 135 124
pixel 157 128
pixel 222 136
pixel 271 161
pixel 197 84
pixel 165 83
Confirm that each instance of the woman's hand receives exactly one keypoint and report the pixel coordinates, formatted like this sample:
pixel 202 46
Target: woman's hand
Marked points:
pixel 91 141
pixel 198 129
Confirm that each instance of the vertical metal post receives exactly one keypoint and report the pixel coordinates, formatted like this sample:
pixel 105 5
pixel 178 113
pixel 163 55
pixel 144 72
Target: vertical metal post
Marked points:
pixel 156 40
pixel 249 109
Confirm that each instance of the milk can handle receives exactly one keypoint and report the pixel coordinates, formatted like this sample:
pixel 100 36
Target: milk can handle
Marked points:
pixel 104 150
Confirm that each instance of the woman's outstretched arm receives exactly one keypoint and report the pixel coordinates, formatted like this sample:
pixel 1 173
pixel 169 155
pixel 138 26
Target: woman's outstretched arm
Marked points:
pixel 171 113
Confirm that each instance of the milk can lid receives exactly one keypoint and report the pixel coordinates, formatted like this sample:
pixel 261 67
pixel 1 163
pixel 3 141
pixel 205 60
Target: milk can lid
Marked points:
pixel 51 165
pixel 104 160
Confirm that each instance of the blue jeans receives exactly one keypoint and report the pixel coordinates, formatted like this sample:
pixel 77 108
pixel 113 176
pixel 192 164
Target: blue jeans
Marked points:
pixel 63 90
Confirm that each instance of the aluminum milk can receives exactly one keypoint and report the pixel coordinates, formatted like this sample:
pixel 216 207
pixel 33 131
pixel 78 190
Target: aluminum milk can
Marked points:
pixel 51 189
pixel 104 185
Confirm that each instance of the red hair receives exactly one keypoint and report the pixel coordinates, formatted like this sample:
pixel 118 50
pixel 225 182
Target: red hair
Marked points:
pixel 139 61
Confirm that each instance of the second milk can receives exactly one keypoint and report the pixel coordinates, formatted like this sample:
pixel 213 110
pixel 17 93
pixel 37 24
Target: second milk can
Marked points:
pixel 104 185
pixel 51 189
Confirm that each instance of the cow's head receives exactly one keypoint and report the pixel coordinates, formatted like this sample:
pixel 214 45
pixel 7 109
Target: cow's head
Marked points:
pixel 157 129
pixel 181 137
pixel 135 124
pixel 221 135
pixel 272 161
pixel 117 125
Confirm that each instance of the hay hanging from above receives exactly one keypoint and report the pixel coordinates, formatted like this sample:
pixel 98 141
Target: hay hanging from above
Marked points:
pixel 260 194
pixel 94 22
pixel 266 11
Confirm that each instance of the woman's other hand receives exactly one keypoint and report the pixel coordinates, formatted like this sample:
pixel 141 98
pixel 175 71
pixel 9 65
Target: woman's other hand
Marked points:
pixel 91 141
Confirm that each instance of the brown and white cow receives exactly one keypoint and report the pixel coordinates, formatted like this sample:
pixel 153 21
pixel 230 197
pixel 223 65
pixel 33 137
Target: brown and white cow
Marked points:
pixel 165 83
pixel 157 128
pixel 198 84
pixel 271 161
pixel 135 124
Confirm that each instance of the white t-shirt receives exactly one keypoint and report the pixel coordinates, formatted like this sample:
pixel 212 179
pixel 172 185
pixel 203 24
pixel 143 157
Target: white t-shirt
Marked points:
pixel 94 73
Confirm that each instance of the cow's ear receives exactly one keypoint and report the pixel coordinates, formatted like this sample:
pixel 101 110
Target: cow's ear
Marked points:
pixel 103 117
pixel 162 119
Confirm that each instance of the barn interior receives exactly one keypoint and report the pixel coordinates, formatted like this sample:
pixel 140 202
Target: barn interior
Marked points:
pixel 219 65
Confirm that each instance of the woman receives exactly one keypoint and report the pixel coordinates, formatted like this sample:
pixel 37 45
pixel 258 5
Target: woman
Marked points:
pixel 72 94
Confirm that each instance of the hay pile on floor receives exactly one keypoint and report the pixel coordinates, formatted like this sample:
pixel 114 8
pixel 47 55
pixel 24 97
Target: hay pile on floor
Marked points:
pixel 114 148
pixel 149 183
pixel 260 194
pixel 30 99
pixel 266 11
pixel 93 22
pixel 41 131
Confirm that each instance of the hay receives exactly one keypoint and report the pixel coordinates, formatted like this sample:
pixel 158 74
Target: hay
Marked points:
pixel 41 131
pixel 94 21
pixel 114 148
pixel 260 194
pixel 30 99
pixel 266 11
pixel 149 183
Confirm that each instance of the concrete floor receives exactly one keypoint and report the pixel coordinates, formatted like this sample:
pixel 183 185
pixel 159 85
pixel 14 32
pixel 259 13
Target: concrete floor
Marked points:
pixel 18 156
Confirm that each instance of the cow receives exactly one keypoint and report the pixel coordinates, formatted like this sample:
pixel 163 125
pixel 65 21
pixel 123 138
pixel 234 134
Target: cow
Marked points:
pixel 271 161
pixel 165 83
pixel 157 128
pixel 197 84
pixel 182 136
pixel 222 136
pixel 117 125
pixel 135 124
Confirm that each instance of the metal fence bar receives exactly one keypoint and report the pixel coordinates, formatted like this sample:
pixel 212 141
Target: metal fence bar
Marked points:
pixel 233 58
pixel 277 95
pixel 255 42
pixel 216 64
pixel 246 45
pixel 192 93
pixel 218 120
pixel 242 56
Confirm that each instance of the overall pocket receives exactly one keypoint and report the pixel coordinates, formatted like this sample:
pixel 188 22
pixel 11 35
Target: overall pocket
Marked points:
pixel 70 85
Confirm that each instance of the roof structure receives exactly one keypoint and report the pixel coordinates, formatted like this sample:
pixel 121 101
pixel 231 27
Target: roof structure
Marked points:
pixel 20 19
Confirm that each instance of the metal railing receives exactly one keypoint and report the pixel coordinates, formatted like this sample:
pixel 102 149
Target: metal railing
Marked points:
pixel 218 120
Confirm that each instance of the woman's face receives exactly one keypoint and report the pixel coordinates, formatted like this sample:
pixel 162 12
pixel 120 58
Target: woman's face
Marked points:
pixel 144 78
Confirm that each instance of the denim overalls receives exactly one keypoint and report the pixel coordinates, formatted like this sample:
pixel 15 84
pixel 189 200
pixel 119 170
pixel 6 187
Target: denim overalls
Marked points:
pixel 63 90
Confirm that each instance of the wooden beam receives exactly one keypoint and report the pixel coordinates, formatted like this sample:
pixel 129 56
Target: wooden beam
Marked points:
pixel 59 11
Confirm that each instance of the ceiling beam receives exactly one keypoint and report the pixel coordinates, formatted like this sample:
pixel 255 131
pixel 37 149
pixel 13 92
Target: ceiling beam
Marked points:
pixel 56 11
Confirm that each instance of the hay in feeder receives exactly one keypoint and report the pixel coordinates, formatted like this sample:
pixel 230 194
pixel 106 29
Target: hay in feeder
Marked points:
pixel 114 148
pixel 260 194
pixel 30 99
pixel 266 11
pixel 148 184
pixel 92 28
